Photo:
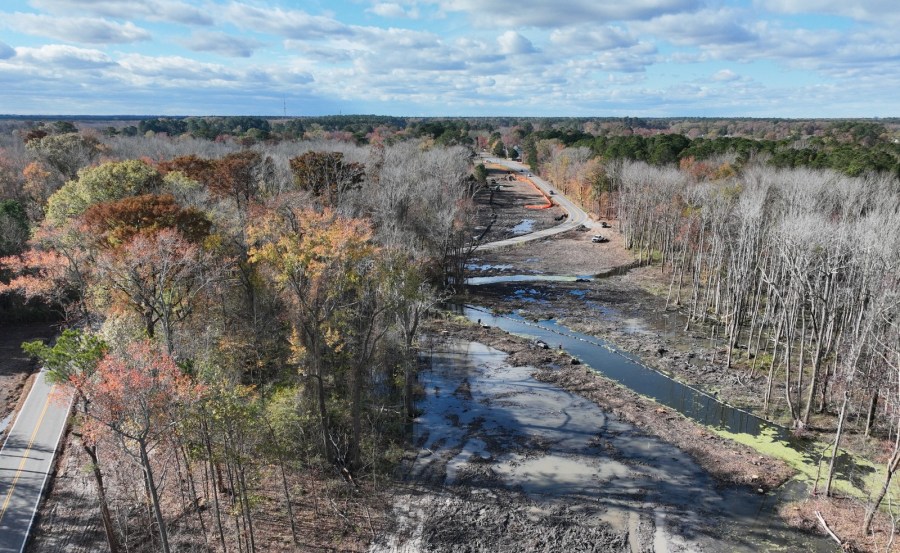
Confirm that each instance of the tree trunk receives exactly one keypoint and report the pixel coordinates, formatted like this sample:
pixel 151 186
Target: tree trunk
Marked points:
pixel 287 502
pixel 111 539
pixel 195 500
pixel 837 443
pixel 355 418
pixel 149 325
pixel 214 476
pixel 892 466
pixel 245 506
pixel 319 376
pixel 154 496
pixel 870 418
pixel 409 365
pixel 771 379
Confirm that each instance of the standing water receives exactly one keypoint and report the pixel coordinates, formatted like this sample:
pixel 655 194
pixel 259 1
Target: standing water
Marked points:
pixel 487 426
pixel 692 403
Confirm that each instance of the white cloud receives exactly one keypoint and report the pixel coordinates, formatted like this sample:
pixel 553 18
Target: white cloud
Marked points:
pixel 540 13
pixel 373 50
pixel 62 56
pixel 703 28
pixel 173 11
pixel 172 69
pixel 627 60
pixel 295 24
pixel 590 38
pixel 877 11
pixel 315 53
pixel 512 42
pixel 222 44
pixel 177 72
pixel 392 10
pixel 75 29
pixel 725 75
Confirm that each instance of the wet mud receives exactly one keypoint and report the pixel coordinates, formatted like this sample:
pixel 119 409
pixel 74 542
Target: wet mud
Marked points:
pixel 506 461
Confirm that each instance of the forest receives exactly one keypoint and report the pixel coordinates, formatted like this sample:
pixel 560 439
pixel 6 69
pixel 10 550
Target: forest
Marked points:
pixel 232 314
pixel 242 297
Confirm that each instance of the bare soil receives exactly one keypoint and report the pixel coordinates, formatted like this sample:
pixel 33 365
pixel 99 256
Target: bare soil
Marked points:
pixel 502 463
pixel 329 514
pixel 69 519
pixel 481 475
pixel 627 307
pixel 844 518
pixel 505 215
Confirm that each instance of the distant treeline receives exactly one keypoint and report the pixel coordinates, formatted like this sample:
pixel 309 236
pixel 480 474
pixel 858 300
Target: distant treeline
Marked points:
pixel 851 158
pixel 851 146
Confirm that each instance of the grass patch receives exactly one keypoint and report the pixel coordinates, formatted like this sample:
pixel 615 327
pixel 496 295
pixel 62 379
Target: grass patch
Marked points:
pixel 865 477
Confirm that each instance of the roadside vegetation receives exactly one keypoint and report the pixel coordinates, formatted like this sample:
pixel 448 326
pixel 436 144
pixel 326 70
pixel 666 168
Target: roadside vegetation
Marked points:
pixel 235 317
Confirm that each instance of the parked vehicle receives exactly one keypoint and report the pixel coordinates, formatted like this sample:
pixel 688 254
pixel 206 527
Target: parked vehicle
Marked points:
pixel 598 238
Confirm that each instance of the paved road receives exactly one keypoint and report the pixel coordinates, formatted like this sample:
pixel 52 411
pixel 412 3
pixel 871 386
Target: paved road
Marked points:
pixel 26 460
pixel 576 217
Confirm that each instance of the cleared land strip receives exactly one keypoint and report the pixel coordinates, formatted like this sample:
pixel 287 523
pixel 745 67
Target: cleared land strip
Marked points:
pixel 576 217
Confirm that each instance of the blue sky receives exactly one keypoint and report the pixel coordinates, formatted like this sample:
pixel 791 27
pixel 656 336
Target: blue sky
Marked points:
pixel 652 58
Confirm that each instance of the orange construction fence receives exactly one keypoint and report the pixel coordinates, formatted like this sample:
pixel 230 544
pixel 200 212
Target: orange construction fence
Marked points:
pixel 548 202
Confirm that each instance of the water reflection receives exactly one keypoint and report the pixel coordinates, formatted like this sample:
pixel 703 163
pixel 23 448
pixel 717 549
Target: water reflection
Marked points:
pixel 691 402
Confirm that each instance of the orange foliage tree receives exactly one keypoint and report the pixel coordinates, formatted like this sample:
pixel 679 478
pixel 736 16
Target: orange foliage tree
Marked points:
pixel 192 166
pixel 138 396
pixel 159 277
pixel 235 177
pixel 38 185
pixel 57 269
pixel 115 223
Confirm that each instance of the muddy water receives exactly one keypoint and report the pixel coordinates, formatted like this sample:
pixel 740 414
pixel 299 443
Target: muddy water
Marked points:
pixel 693 403
pixel 628 371
pixel 486 425
pixel 478 281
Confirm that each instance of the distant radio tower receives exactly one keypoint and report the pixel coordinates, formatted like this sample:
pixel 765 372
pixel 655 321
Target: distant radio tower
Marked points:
pixel 284 105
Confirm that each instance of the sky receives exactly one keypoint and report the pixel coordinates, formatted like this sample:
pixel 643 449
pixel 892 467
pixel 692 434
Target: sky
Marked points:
pixel 602 58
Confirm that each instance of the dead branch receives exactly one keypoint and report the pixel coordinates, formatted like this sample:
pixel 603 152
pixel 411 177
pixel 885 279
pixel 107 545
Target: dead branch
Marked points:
pixel 827 529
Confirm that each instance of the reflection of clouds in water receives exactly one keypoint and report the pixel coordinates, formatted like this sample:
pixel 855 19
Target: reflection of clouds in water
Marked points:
pixel 524 227
pixel 480 412
pixel 531 296
pixel 487 267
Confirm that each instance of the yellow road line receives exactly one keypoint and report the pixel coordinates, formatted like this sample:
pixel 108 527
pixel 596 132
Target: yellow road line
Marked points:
pixel 37 427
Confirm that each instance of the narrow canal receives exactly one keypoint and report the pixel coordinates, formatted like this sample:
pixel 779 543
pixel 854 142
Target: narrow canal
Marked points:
pixel 631 373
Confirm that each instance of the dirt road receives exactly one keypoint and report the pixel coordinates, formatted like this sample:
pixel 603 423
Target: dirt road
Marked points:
pixel 575 216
